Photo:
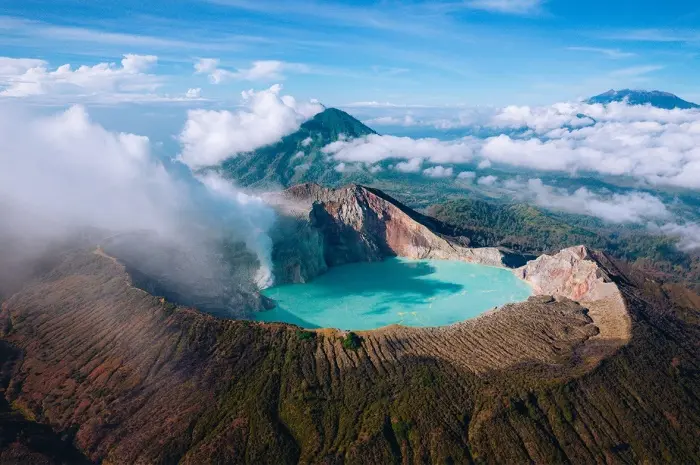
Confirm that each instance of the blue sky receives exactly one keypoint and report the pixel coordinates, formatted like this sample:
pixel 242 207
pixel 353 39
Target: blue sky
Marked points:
pixel 473 52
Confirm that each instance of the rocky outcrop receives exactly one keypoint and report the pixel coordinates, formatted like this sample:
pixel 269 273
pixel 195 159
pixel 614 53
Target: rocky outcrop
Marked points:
pixel 359 224
pixel 299 250
pixel 579 274
pixel 572 273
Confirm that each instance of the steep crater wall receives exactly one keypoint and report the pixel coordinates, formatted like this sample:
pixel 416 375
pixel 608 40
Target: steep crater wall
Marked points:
pixel 360 224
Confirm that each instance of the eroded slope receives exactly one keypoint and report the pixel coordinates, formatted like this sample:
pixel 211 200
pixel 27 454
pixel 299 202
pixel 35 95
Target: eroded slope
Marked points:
pixel 141 381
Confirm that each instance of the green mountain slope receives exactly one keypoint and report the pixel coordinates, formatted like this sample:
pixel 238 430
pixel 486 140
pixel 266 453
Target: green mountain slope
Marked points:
pixel 298 157
pixel 517 226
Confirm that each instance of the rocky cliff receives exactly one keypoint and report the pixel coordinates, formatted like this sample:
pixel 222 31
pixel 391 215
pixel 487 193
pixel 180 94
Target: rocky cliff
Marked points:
pixel 355 224
pixel 587 277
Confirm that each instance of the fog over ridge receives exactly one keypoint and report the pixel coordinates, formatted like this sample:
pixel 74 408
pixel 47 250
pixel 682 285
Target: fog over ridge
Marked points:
pixel 64 174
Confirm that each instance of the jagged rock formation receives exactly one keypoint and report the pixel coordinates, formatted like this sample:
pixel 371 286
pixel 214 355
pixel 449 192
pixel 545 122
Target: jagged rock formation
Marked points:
pixel 138 380
pixel 581 275
pixel 357 223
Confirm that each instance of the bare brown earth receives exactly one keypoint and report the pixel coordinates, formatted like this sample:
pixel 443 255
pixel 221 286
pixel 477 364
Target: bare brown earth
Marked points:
pixel 139 381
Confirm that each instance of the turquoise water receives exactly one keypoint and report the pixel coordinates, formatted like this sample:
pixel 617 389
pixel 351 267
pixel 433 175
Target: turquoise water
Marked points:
pixel 397 291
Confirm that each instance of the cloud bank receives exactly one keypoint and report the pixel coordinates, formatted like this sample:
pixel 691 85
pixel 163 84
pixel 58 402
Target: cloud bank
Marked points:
pixel 23 77
pixel 653 145
pixel 633 207
pixel 64 174
pixel 688 234
pixel 261 70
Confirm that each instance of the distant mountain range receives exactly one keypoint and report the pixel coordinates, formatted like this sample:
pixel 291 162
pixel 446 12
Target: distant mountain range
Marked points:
pixel 299 157
pixel 655 98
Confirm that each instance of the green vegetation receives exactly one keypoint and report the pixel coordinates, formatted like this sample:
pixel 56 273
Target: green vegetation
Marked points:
pixel 517 226
pixel 528 229
pixel 303 335
pixel 352 341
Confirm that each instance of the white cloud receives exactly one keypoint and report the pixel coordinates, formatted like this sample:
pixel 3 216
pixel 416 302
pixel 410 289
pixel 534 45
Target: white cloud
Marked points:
pixel 17 66
pixel 302 167
pixel 657 152
pixel 688 234
pixel 262 70
pixel 412 166
pixel 206 65
pixel 609 52
pixel 194 93
pixel 541 119
pixel 487 180
pixel 406 121
pixel 653 145
pixel 63 173
pixel 374 148
pixel 306 142
pixel 22 78
pixel 518 7
pixel 75 171
pixel 138 63
pixel 438 172
pixel 210 137
pixel 633 207
pixel 467 176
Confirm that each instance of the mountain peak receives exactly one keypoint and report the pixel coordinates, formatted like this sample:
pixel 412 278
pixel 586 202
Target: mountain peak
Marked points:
pixel 655 98
pixel 335 122
pixel 299 157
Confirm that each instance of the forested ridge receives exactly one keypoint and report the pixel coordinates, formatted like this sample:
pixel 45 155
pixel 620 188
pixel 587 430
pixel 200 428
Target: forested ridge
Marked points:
pixel 531 230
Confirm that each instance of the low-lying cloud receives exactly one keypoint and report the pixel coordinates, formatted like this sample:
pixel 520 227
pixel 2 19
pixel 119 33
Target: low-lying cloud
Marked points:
pixel 375 148
pixel 653 145
pixel 63 174
pixel 210 136
pixel 688 234
pixel 633 207
pixel 438 172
